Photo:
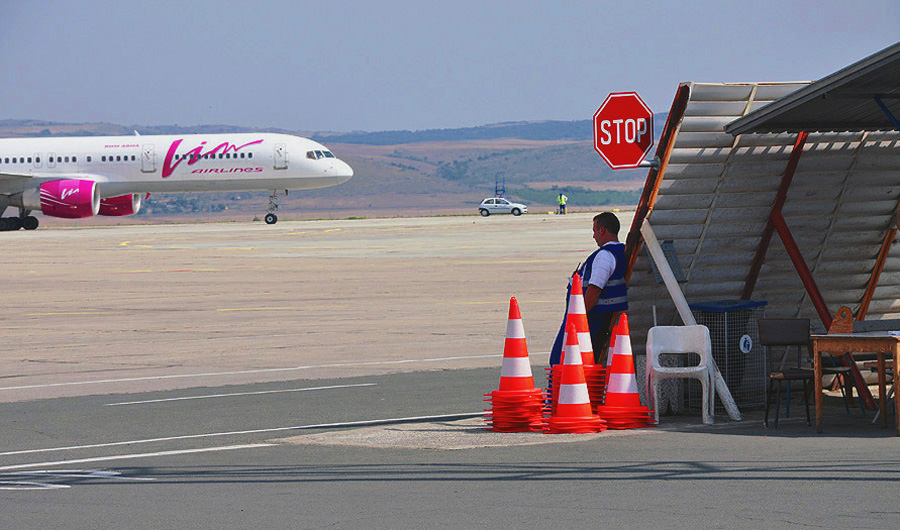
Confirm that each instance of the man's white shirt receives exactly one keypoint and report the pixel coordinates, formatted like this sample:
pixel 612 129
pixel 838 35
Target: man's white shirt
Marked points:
pixel 603 267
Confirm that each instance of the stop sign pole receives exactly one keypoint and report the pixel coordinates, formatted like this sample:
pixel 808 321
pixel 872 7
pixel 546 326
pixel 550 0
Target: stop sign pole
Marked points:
pixel 623 130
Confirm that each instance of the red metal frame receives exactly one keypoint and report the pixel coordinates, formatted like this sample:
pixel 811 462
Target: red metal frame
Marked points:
pixel 654 177
pixel 777 223
pixel 780 198
pixel 805 276
pixel 876 273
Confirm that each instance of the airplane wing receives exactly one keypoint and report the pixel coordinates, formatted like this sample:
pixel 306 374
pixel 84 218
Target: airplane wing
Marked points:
pixel 6 176
pixel 11 183
pixel 14 176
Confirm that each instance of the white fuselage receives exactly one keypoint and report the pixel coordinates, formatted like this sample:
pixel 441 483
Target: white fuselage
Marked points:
pixel 172 163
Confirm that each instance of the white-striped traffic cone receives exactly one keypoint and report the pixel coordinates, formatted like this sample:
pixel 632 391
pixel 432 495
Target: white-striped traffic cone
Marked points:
pixel 573 410
pixel 622 407
pixel 516 406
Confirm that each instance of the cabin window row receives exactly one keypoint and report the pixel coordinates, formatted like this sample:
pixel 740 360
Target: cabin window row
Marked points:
pixel 53 159
pixel 208 156
pixel 20 160
pixel 115 158
pixel 37 160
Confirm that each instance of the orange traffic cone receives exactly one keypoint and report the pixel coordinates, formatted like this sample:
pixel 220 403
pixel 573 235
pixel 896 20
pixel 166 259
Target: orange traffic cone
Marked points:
pixel 594 374
pixel 573 409
pixel 517 406
pixel 578 315
pixel 622 407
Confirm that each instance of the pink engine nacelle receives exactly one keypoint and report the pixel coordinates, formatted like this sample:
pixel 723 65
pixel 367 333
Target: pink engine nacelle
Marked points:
pixel 122 205
pixel 70 199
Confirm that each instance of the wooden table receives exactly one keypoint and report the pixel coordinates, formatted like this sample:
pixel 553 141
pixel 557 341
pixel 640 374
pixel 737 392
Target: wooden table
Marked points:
pixel 839 344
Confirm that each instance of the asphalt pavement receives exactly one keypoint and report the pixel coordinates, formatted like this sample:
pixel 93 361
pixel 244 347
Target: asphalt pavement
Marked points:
pixel 411 451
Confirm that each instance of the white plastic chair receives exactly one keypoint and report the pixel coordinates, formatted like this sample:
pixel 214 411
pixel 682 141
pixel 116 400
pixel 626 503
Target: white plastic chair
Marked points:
pixel 681 339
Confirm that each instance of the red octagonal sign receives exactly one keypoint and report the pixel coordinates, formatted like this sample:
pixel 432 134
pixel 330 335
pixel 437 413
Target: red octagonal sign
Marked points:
pixel 623 130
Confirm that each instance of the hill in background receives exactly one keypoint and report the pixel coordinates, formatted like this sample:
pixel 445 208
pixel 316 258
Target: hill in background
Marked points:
pixel 443 171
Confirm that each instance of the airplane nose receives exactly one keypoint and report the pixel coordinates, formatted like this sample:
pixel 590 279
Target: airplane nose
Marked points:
pixel 343 170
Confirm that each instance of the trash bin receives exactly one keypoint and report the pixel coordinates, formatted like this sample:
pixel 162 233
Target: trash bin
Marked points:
pixel 735 346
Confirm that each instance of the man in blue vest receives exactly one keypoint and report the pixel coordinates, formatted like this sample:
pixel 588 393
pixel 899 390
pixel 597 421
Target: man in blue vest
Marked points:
pixel 603 281
pixel 603 278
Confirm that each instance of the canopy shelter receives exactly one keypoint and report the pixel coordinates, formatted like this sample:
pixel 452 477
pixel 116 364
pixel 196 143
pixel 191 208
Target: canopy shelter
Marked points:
pixel 865 96
pixel 798 207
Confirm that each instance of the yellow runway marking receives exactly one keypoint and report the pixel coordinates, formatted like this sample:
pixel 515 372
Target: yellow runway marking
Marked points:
pixel 256 308
pixel 70 313
pixel 152 271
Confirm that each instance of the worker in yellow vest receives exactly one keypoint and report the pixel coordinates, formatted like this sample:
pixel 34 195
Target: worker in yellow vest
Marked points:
pixel 562 204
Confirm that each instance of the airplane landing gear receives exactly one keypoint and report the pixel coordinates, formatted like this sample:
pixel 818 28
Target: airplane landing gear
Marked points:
pixel 30 222
pixel 8 224
pixel 271 218
pixel 24 220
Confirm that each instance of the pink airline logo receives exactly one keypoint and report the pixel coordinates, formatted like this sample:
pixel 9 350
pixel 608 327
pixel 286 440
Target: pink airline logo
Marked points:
pixel 194 155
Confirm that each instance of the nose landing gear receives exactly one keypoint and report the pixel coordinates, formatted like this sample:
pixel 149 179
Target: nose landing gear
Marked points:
pixel 271 218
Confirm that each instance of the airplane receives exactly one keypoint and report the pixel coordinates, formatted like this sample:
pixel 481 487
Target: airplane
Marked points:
pixel 78 177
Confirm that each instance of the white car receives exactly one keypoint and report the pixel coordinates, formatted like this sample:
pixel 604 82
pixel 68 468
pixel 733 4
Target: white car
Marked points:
pixel 500 205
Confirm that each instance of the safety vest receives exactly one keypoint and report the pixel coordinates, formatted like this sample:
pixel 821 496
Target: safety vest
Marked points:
pixel 614 296
pixel 563 199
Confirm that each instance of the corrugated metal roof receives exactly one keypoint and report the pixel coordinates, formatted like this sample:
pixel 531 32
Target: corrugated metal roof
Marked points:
pixel 718 190
pixel 843 101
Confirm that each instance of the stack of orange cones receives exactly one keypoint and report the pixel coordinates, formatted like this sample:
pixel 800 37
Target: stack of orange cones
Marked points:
pixel 572 412
pixel 517 406
pixel 594 374
pixel 622 408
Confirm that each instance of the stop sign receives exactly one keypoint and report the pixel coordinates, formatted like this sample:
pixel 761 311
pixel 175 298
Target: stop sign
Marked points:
pixel 623 130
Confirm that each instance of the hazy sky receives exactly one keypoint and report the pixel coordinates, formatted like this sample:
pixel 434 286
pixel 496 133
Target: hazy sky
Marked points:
pixel 339 65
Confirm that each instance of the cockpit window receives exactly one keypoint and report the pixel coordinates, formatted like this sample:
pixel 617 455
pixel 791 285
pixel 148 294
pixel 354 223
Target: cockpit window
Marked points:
pixel 318 155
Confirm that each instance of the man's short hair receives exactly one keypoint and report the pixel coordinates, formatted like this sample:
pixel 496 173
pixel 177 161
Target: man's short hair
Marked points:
pixel 609 221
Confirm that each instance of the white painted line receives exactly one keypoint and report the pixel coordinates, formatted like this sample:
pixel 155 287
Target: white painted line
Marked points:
pixel 235 394
pixel 134 456
pixel 363 423
pixel 18 485
pixel 25 485
pixel 77 473
pixel 248 372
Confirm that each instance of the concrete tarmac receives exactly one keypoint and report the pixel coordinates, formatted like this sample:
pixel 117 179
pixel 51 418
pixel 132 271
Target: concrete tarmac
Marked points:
pixel 128 308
